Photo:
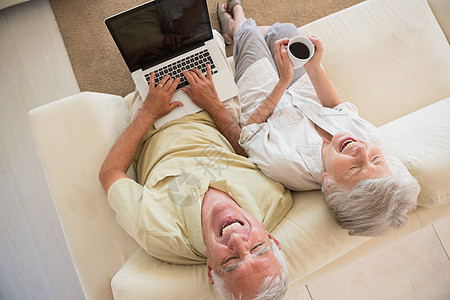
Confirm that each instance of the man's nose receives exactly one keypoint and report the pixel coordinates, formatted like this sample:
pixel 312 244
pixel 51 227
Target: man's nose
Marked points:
pixel 238 241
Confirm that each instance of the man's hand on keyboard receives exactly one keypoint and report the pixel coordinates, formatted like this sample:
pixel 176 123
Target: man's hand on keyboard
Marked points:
pixel 202 90
pixel 157 103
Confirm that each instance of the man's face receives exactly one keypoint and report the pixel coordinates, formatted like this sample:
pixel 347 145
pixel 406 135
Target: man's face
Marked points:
pixel 349 160
pixel 238 248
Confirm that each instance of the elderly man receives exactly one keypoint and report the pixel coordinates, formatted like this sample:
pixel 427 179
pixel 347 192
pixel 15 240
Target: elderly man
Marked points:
pixel 196 200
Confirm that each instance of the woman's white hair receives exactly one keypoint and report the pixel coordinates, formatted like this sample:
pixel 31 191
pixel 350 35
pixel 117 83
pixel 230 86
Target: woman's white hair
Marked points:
pixel 374 206
pixel 271 289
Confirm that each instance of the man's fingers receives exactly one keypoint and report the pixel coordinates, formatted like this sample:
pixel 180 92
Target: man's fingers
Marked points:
pixel 187 91
pixel 189 77
pixel 168 83
pixel 174 85
pixel 198 73
pixel 164 80
pixel 208 72
pixel 152 79
pixel 174 105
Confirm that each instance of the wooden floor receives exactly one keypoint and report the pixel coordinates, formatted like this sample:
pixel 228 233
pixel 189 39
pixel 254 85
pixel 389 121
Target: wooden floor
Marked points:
pixel 34 70
pixel 34 260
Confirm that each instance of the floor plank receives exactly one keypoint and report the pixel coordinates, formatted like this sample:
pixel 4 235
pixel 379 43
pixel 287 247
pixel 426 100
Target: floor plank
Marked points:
pixel 33 74
pixel 49 72
pixel 298 293
pixel 20 264
pixel 4 167
pixel 413 267
pixel 442 228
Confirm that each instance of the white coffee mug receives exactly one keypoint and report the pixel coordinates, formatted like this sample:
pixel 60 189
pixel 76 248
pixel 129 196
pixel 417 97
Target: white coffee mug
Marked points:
pixel 300 50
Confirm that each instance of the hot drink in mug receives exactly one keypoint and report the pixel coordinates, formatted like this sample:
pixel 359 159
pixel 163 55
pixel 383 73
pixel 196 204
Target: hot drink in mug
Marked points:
pixel 300 50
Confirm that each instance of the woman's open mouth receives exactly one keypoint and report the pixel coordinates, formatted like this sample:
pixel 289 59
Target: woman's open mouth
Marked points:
pixel 346 143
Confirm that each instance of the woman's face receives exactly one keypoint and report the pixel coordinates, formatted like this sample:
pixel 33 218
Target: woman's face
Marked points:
pixel 349 160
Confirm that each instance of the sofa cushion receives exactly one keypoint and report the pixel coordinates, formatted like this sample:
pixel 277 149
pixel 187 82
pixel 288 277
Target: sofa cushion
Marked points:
pixel 421 141
pixel 387 57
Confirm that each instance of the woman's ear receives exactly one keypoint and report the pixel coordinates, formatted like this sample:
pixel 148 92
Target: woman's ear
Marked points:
pixel 324 181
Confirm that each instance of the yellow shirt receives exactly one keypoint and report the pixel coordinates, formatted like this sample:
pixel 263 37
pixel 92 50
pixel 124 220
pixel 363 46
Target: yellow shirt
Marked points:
pixel 176 165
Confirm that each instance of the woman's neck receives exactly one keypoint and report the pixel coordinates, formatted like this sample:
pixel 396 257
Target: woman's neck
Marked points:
pixel 326 137
pixel 326 140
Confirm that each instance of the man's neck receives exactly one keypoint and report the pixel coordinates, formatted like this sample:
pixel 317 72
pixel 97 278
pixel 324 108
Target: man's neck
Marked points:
pixel 211 198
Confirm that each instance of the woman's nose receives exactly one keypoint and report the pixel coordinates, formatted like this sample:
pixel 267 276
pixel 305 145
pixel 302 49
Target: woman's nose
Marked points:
pixel 361 151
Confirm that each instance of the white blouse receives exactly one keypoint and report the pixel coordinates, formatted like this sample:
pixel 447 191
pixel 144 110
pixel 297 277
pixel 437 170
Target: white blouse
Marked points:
pixel 287 148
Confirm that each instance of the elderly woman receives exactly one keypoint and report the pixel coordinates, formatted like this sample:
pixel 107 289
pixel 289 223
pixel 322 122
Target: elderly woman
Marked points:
pixel 299 132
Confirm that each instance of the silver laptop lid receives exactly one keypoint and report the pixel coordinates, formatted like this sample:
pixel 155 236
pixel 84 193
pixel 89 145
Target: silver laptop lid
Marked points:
pixel 160 30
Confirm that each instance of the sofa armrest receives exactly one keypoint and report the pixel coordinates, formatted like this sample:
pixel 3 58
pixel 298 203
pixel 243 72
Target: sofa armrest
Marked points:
pixel 73 137
pixel 8 3
pixel 145 277
pixel 441 10
pixel 421 141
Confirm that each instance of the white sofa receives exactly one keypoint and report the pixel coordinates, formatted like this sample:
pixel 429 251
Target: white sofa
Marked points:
pixel 391 58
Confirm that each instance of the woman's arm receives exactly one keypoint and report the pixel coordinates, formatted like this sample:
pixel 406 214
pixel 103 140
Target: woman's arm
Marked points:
pixel 325 90
pixel 286 70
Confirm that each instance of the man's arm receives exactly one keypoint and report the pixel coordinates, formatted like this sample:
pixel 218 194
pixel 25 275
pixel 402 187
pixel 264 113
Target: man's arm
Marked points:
pixel 203 93
pixel 156 104
pixel 325 90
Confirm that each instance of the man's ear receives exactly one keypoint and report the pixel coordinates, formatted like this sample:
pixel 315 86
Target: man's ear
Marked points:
pixel 211 280
pixel 275 240
pixel 324 180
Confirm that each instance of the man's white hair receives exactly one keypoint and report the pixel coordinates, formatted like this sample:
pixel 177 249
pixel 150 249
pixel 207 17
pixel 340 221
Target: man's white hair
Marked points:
pixel 374 206
pixel 272 288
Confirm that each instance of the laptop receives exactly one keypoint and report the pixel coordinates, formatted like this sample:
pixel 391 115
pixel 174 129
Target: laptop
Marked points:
pixel 166 37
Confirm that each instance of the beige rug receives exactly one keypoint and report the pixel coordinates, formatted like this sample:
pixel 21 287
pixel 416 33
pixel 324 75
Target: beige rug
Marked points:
pixel 92 51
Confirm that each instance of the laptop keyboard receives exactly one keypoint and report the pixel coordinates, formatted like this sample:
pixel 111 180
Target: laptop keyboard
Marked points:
pixel 198 61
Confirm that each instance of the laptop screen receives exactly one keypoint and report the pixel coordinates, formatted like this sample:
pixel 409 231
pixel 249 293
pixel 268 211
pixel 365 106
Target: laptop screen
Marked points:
pixel 159 30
